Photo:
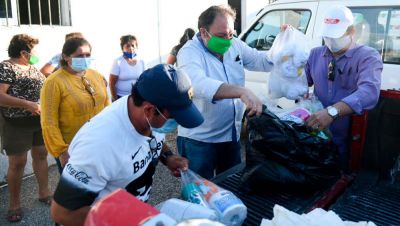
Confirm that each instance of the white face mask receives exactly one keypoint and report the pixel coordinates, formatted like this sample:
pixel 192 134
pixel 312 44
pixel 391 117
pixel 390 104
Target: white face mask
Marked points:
pixel 337 44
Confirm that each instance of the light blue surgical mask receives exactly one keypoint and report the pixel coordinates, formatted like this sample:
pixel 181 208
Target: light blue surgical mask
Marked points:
pixel 80 64
pixel 169 126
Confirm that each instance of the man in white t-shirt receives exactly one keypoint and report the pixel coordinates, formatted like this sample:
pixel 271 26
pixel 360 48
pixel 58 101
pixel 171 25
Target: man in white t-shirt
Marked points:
pixel 119 147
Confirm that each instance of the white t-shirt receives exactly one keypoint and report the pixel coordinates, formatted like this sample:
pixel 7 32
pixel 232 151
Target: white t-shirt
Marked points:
pixel 108 153
pixel 127 74
pixel 55 61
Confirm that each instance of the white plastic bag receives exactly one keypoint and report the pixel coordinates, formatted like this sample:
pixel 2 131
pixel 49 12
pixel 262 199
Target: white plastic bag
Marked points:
pixel 301 111
pixel 289 53
pixel 317 217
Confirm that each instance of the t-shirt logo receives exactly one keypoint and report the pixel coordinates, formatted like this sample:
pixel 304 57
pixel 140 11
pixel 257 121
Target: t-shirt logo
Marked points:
pixel 79 175
pixel 331 21
pixel 190 93
pixel 141 186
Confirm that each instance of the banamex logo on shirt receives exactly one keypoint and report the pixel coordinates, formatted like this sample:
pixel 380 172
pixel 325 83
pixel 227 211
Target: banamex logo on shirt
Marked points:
pixel 79 175
pixel 139 164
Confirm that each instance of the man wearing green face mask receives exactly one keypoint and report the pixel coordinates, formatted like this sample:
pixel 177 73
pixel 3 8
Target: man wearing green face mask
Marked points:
pixel 215 61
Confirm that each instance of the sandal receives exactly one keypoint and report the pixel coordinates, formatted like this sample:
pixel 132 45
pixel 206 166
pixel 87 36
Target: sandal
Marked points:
pixel 14 215
pixel 46 200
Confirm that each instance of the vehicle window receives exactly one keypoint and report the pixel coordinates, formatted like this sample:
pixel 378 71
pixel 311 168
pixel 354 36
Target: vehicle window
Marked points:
pixel 379 28
pixel 264 31
pixel 392 48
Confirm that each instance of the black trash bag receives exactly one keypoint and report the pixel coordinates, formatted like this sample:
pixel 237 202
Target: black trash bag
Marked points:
pixel 283 155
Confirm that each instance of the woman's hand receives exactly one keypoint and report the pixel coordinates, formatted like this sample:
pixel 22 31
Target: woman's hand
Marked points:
pixel 33 108
pixel 64 158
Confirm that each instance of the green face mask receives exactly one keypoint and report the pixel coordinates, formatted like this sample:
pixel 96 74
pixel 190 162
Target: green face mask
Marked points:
pixel 218 45
pixel 33 59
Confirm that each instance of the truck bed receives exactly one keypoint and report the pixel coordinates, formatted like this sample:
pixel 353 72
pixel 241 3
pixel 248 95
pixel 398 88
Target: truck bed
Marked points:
pixel 260 206
pixel 373 196
pixel 370 199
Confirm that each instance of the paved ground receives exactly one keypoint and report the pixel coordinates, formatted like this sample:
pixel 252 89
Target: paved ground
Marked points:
pixel 165 186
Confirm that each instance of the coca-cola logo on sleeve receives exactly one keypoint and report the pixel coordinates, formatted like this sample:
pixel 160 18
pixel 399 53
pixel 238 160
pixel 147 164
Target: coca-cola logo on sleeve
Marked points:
pixel 79 175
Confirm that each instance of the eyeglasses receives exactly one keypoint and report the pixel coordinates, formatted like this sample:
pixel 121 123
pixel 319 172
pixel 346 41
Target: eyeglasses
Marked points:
pixel 225 36
pixel 331 71
pixel 88 86
pixel 153 149
pixel 159 112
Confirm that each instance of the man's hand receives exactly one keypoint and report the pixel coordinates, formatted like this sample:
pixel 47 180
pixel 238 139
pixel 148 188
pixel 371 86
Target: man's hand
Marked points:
pixel 252 102
pixel 319 120
pixel 285 26
pixel 175 163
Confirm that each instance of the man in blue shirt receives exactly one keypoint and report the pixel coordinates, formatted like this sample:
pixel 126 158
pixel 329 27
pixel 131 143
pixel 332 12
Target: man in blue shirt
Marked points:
pixel 215 61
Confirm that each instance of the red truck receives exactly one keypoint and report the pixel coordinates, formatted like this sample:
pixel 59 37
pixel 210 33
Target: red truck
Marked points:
pixel 370 193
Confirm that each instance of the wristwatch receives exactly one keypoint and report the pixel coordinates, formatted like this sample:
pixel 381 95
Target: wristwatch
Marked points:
pixel 333 112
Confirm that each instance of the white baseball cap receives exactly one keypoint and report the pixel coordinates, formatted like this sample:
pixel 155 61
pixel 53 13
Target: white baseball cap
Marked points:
pixel 336 21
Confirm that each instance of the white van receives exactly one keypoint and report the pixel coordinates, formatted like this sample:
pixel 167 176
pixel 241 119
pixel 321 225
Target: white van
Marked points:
pixel 379 28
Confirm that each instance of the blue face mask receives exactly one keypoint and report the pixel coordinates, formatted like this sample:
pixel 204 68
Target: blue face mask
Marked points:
pixel 129 55
pixel 169 126
pixel 80 64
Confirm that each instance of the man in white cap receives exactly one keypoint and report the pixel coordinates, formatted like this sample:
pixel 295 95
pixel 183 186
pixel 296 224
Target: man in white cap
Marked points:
pixel 346 77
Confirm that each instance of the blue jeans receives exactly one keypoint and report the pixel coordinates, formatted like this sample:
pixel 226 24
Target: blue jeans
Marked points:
pixel 207 158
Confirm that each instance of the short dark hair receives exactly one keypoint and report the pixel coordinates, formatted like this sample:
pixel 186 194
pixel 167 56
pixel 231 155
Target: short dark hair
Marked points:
pixel 127 38
pixel 207 17
pixel 70 46
pixel 21 42
pixel 73 35
pixel 138 99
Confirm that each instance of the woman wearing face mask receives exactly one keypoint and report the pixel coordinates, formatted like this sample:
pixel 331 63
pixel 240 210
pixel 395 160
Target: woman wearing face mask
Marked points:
pixel 20 85
pixel 70 97
pixel 126 69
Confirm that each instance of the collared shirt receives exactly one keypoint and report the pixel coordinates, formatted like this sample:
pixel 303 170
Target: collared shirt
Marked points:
pixel 222 118
pixel 357 83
